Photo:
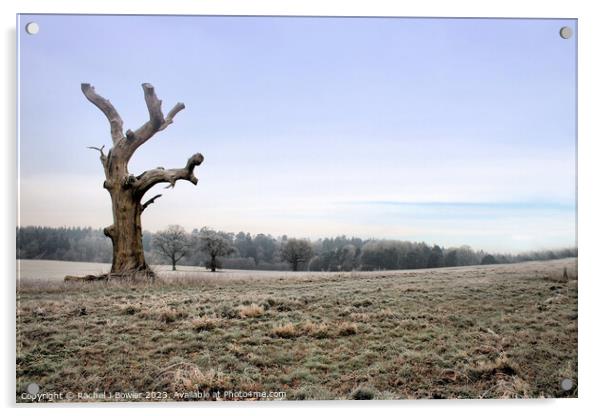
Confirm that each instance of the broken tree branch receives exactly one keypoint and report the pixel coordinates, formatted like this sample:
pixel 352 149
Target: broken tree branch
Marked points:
pixel 107 108
pixel 100 149
pixel 172 113
pixel 86 278
pixel 150 201
pixel 103 157
pixel 153 103
pixel 148 179
pixel 156 122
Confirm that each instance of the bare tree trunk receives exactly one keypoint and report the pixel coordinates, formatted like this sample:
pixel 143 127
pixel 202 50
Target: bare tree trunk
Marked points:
pixel 126 233
pixel 127 190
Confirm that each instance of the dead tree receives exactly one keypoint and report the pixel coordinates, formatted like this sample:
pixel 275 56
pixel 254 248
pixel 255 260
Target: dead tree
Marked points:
pixel 127 190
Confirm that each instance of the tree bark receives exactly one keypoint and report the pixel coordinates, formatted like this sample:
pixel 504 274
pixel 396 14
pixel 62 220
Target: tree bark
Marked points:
pixel 126 233
pixel 127 190
pixel 213 263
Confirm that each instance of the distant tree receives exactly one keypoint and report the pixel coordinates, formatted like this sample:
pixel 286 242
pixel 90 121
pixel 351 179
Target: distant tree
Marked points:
pixel 215 244
pixel 347 256
pixel 173 244
pixel 296 252
pixel 315 264
pixel 424 253
pixel 436 257
pixel 451 258
pixel 245 246
pixel 501 259
pixel 370 258
pixel 384 254
pixel 265 248
pixel 412 259
pixel 488 259
pixel 467 256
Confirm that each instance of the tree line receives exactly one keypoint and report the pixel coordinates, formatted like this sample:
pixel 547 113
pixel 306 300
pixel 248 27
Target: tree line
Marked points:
pixel 218 249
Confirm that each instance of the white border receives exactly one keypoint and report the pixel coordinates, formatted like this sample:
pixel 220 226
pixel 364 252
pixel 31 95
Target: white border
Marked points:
pixel 590 158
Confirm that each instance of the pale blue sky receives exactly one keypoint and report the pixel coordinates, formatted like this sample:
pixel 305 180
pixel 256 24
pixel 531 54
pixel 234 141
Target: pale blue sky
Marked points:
pixel 444 130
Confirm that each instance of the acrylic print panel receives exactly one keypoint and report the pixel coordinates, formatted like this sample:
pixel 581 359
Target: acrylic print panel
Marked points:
pixel 288 208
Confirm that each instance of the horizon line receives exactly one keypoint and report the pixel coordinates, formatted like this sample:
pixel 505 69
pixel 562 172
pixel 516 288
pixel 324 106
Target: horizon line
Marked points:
pixel 348 236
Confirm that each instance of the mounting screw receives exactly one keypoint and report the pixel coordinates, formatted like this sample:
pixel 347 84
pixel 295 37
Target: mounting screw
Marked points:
pixel 566 32
pixel 33 389
pixel 566 384
pixel 32 28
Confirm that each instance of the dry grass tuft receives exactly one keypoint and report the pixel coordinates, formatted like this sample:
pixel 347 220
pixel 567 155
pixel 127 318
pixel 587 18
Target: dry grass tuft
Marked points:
pixel 315 330
pixel 251 311
pixel 205 323
pixel 348 328
pixel 130 309
pixel 512 388
pixel 188 377
pixel 387 313
pixel 285 331
pixel 501 366
pixel 361 317
pixel 362 393
pixel 165 314
pixel 504 374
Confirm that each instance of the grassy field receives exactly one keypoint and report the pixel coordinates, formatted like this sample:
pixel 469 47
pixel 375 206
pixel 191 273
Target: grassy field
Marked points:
pixel 504 331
